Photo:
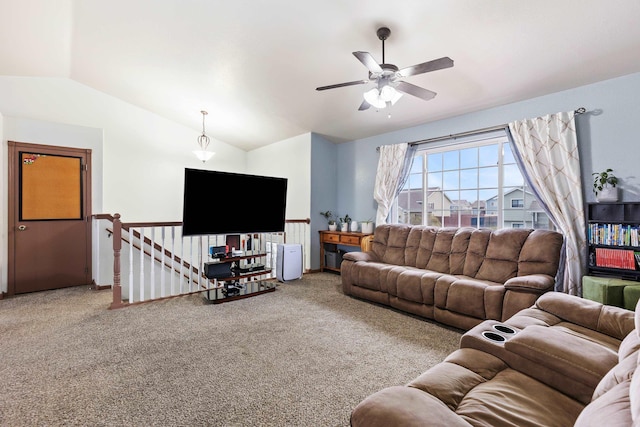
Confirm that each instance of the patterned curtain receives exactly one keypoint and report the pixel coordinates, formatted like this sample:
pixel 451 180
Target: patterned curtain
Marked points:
pixel 547 148
pixel 393 170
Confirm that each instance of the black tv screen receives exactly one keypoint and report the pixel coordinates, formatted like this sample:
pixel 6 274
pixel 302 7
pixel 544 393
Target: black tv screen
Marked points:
pixel 232 203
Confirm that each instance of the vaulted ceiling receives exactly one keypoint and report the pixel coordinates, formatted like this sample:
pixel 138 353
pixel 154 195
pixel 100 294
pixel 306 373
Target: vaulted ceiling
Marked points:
pixel 254 65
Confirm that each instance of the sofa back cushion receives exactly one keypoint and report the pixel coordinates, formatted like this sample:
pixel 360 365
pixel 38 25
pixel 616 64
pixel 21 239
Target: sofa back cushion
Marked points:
pixel 540 253
pixel 459 249
pixel 484 254
pixel 478 242
pixel 500 262
pixel 439 260
pixel 413 248
pixel 425 246
pixel 389 243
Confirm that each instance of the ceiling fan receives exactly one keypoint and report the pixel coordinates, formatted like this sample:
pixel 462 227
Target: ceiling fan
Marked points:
pixel 387 77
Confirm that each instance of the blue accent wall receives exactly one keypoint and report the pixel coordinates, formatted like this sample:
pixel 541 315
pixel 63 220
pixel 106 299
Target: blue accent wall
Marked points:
pixel 324 186
pixel 608 137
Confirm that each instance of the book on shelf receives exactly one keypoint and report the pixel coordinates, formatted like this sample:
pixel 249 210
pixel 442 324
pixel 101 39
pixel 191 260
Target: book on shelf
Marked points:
pixel 613 234
pixel 616 258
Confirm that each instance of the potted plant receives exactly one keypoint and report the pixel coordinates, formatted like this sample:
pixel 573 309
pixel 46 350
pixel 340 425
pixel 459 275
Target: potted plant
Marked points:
pixel 330 220
pixel 344 222
pixel 604 186
pixel 367 226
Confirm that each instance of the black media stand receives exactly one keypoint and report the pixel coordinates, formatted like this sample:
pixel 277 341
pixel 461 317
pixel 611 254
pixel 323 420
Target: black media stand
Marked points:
pixel 232 278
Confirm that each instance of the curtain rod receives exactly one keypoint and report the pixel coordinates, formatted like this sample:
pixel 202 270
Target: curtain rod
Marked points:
pixel 577 111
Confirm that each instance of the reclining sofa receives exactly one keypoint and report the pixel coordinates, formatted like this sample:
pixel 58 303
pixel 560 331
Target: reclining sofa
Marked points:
pixel 456 276
pixel 565 361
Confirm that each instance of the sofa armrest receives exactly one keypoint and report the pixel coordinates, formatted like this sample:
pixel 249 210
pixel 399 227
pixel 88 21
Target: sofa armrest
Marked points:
pixel 532 283
pixel 360 256
pixel 613 321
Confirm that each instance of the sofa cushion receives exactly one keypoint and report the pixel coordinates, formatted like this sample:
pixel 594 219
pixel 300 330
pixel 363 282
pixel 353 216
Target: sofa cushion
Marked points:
pixel 503 252
pixel 396 245
pixel 439 260
pixel 459 247
pixel 629 345
pixel 478 242
pixel 611 409
pixel 620 373
pixel 412 284
pixel 413 245
pixel 563 352
pixel 425 247
pixel 514 399
pixel 406 407
pixel 539 253
pixel 468 296
pixel 460 372
pixel 373 275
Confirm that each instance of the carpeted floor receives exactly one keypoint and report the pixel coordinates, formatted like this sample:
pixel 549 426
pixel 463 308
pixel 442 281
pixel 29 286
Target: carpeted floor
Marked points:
pixel 304 355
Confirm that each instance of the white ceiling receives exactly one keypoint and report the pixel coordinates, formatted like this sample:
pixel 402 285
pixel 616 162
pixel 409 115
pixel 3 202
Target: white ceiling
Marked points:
pixel 254 65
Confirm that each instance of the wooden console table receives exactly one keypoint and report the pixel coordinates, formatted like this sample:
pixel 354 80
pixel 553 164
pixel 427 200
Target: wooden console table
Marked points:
pixel 342 238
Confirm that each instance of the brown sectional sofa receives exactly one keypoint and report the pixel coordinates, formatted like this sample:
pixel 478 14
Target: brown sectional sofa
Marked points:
pixel 457 276
pixel 565 361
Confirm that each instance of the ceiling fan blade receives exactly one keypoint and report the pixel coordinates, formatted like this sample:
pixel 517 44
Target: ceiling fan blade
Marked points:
pixel 364 106
pixel 368 61
pixel 425 67
pixel 356 82
pixel 414 90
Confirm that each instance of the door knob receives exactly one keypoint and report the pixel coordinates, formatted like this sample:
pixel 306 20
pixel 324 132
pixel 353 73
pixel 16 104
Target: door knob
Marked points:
pixel 22 227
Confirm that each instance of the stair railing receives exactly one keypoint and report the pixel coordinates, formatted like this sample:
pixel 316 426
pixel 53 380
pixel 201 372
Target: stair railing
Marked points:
pixel 160 246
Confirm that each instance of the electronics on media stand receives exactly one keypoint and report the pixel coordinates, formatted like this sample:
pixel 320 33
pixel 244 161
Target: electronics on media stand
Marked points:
pixel 236 273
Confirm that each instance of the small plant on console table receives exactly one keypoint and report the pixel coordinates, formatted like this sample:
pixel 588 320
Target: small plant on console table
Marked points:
pixel 330 220
pixel 604 186
pixel 344 222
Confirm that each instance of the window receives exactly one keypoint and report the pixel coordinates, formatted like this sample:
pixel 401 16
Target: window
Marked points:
pixel 475 183
pixel 517 203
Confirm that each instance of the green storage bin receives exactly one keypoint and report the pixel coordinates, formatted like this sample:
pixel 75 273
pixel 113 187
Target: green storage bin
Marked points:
pixel 606 290
pixel 631 296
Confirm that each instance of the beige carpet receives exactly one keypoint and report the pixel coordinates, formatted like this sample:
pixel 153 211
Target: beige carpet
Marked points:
pixel 304 355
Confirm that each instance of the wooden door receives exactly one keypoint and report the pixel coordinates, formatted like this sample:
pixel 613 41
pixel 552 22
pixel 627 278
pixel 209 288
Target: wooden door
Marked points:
pixel 49 217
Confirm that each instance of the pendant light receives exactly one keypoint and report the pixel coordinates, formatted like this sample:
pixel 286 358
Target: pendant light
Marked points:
pixel 203 142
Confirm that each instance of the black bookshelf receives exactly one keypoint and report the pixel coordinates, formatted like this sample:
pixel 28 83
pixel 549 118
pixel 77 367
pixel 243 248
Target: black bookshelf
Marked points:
pixel 613 233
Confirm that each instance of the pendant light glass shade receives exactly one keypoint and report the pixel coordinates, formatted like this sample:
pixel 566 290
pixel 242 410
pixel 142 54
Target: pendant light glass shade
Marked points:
pixel 203 155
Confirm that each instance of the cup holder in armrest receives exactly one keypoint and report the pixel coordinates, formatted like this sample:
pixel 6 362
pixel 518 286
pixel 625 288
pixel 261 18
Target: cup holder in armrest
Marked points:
pixel 504 329
pixel 492 336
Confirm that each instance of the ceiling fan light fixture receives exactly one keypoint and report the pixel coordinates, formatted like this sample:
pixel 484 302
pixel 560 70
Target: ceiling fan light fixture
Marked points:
pixel 389 94
pixel 381 98
pixel 373 98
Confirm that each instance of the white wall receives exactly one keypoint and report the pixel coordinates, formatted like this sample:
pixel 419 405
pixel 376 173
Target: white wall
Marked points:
pixel 138 157
pixel 291 159
pixel 144 155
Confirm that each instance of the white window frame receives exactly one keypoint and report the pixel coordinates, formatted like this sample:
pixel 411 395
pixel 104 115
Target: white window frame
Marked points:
pixel 471 142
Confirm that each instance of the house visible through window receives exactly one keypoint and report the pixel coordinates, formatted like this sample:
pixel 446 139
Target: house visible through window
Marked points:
pixel 476 183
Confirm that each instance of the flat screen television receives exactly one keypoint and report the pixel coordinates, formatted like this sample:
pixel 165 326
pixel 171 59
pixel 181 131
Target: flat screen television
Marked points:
pixel 232 203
